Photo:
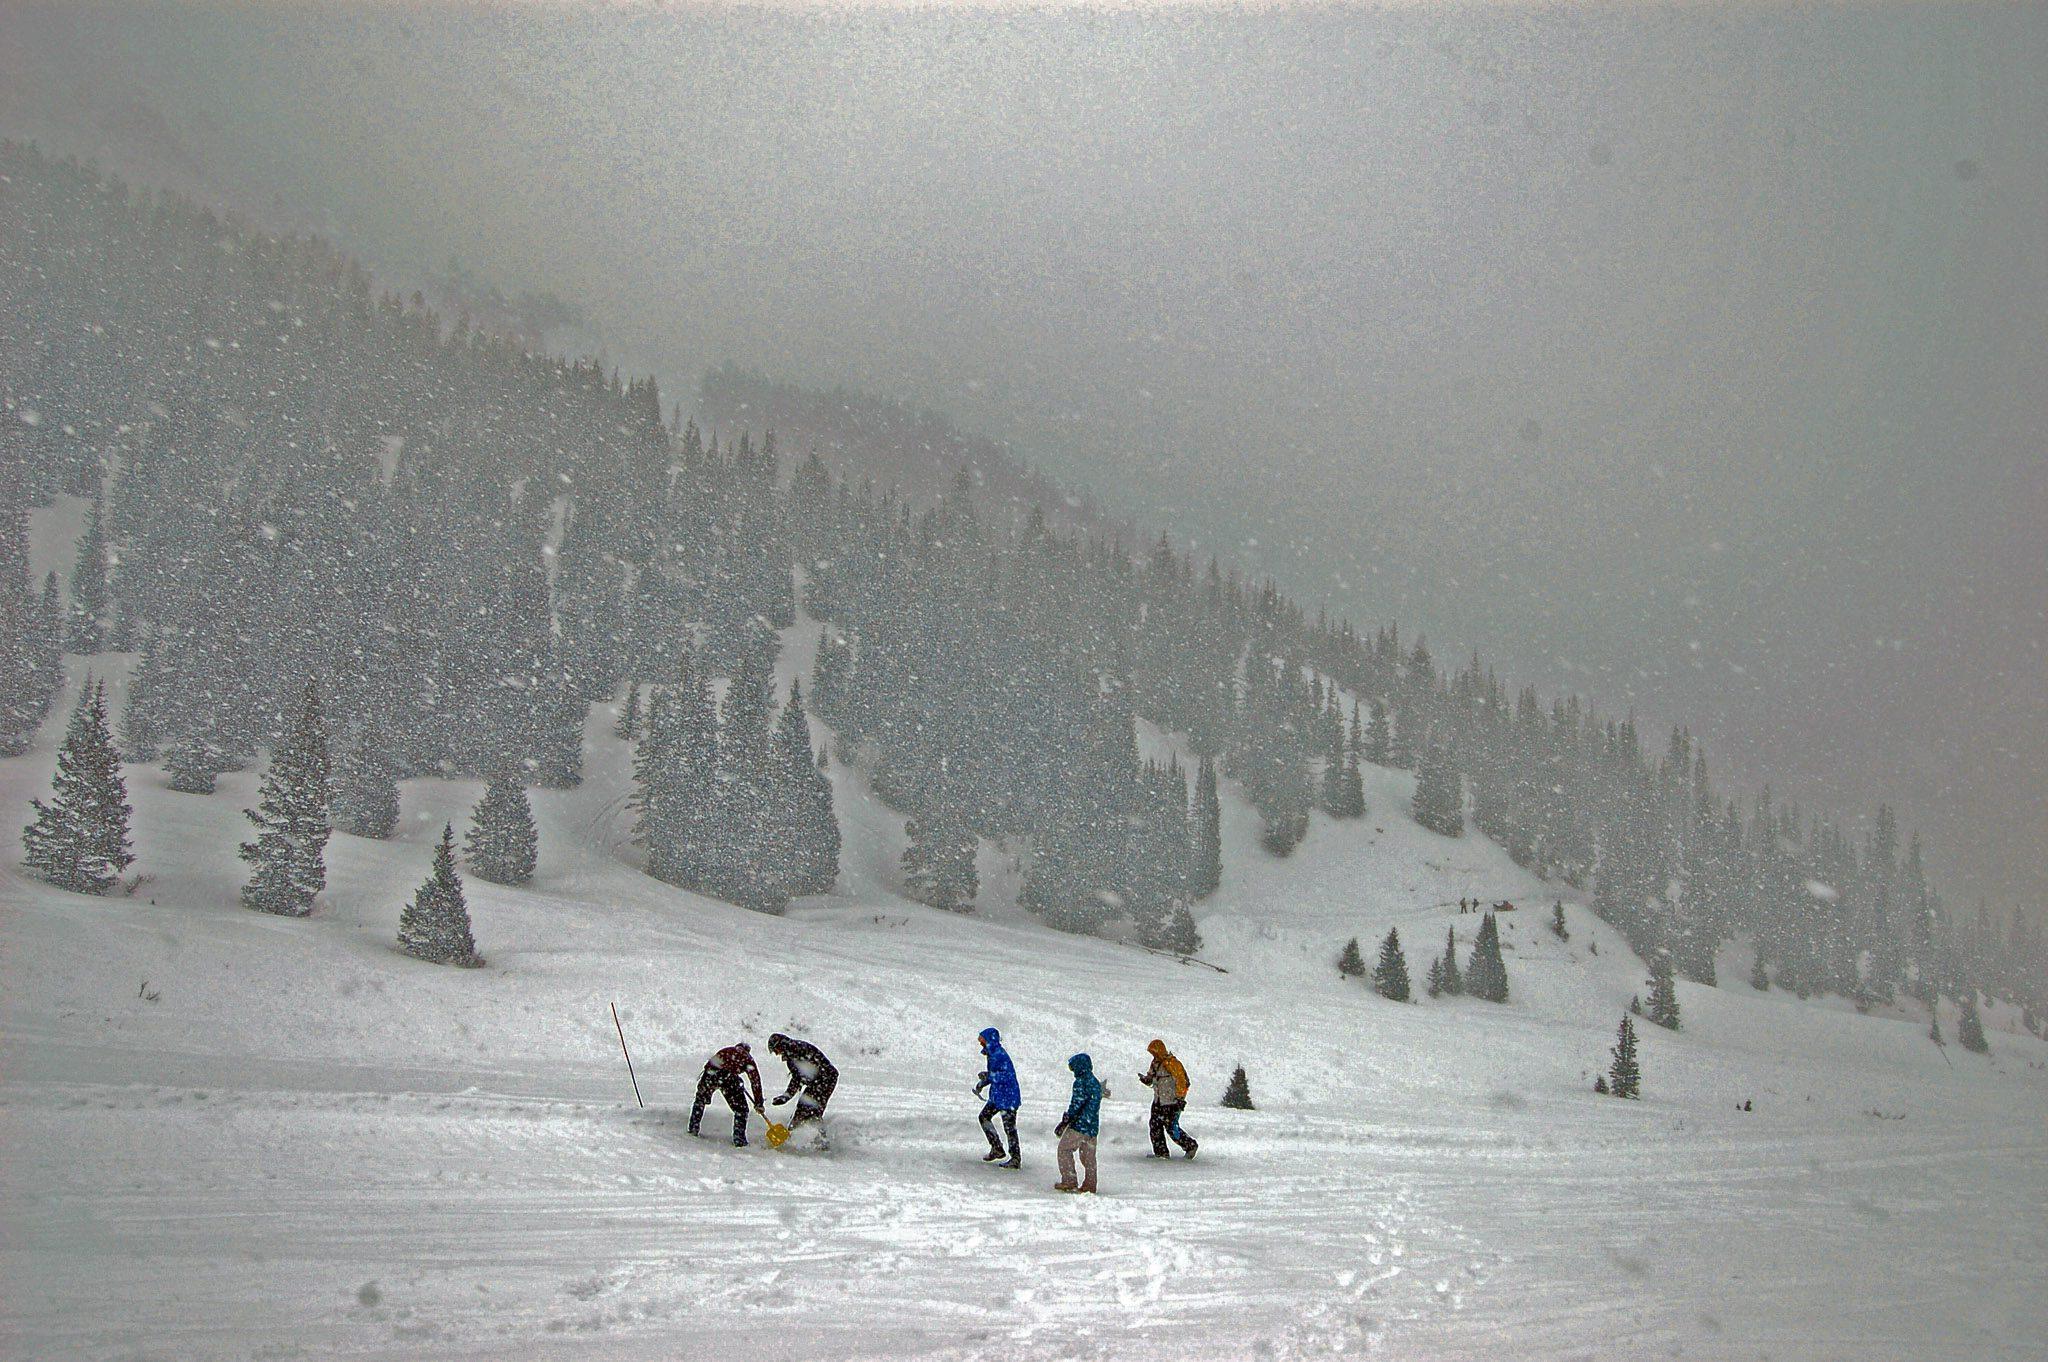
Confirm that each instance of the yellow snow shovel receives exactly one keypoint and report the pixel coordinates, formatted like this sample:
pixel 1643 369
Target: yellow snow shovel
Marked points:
pixel 778 1134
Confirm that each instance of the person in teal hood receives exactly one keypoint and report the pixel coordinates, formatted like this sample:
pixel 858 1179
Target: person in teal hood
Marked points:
pixel 1078 1128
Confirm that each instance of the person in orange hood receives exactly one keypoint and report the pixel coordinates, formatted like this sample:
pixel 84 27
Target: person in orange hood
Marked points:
pixel 1169 1084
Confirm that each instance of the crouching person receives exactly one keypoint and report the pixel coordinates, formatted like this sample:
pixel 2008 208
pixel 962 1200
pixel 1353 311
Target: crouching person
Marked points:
pixel 724 1073
pixel 1078 1128
pixel 812 1077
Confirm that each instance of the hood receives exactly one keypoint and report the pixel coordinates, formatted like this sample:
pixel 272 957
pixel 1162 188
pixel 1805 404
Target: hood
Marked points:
pixel 1157 1049
pixel 1081 1064
pixel 776 1043
pixel 991 1037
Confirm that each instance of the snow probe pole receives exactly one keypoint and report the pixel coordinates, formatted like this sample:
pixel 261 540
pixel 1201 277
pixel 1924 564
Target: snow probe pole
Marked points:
pixel 627 1053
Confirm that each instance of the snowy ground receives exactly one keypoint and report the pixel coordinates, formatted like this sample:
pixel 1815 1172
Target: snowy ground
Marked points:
pixel 296 1142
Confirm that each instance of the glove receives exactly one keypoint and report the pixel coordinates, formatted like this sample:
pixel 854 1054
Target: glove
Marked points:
pixel 1061 1128
pixel 778 1101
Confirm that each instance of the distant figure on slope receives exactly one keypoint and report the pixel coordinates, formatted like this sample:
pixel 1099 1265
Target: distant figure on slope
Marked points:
pixel 722 1074
pixel 1004 1097
pixel 809 1071
pixel 1078 1128
pixel 1169 1084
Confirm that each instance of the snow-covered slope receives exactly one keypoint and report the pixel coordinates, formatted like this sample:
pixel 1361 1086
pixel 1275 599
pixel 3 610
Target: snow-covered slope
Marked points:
pixel 232 1135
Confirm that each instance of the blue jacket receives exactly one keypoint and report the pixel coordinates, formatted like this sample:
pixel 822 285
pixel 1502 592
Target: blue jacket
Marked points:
pixel 1084 1112
pixel 1001 1076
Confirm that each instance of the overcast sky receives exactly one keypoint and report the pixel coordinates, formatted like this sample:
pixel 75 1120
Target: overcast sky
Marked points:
pixel 1694 358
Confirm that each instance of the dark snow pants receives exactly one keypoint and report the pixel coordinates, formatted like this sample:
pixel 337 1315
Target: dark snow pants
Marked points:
pixel 810 1103
pixel 735 1092
pixel 1165 1122
pixel 988 1128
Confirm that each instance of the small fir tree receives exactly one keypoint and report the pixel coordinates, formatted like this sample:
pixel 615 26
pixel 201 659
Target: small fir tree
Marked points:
pixel 1662 1008
pixel 89 582
pixel 1350 963
pixel 1759 977
pixel 291 818
pixel 628 726
pixel 1238 1092
pixel 435 925
pixel 502 845
pixel 1205 873
pixel 1439 796
pixel 1970 1027
pixel 1452 981
pixel 366 790
pixel 1486 975
pixel 1181 937
pixel 1934 1026
pixel 79 840
pixel 1600 1084
pixel 938 865
pixel 1624 1077
pixel 1390 975
pixel 191 765
pixel 1436 977
pixel 1557 922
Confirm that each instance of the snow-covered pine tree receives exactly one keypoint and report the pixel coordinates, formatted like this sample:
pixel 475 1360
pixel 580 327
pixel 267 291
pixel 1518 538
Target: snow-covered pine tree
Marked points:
pixel 1205 873
pixel 1934 1025
pixel 1486 974
pixel 1439 796
pixel 1662 1007
pixel 938 865
pixel 1390 974
pixel 1452 981
pixel 810 843
pixel 79 840
pixel 628 726
pixel 1350 961
pixel 89 582
pixel 141 724
pixel 502 845
pixel 556 760
pixel 1378 735
pixel 435 925
pixel 1238 1092
pixel 291 818
pixel 1600 1084
pixel 1970 1027
pixel 1343 792
pixel 1182 937
pixel 1759 977
pixel 365 789
pixel 191 765
pixel 1436 977
pixel 1624 1075
pixel 1557 926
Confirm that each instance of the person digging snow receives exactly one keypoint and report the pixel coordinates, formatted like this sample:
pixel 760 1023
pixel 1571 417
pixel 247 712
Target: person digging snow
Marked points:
pixel 723 1074
pixel 1078 1128
pixel 809 1071
pixel 1169 1084
pixel 1004 1097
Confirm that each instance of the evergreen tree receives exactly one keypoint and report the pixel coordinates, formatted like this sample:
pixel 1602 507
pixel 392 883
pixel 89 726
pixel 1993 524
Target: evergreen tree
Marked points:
pixel 938 865
pixel 502 845
pixel 809 843
pixel 1624 1075
pixel 1439 796
pixel 1486 974
pixel 1206 871
pixel 1759 977
pixel 435 925
pixel 628 726
pixel 1557 922
pixel 79 840
pixel 1451 979
pixel 1378 736
pixel 1343 793
pixel 1600 1084
pixel 366 790
pixel 191 765
pixel 1662 1008
pixel 1350 962
pixel 1934 1025
pixel 1238 1092
pixel 1181 937
pixel 291 818
pixel 1436 977
pixel 1390 975
pixel 89 582
pixel 1969 1027
pixel 558 714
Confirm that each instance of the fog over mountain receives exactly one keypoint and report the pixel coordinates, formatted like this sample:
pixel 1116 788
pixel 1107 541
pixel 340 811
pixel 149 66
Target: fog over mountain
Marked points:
pixel 1690 359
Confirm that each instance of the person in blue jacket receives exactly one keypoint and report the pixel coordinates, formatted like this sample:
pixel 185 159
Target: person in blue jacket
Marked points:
pixel 1000 1081
pixel 1078 1128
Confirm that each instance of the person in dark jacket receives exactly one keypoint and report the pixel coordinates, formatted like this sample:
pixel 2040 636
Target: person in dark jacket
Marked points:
pixel 723 1073
pixel 809 1072
pixel 1169 1084
pixel 1078 1128
pixel 1004 1097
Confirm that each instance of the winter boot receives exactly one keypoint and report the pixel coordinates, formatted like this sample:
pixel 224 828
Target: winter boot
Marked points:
pixel 992 1156
pixel 1193 1145
pixel 1012 1162
pixel 1065 1187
